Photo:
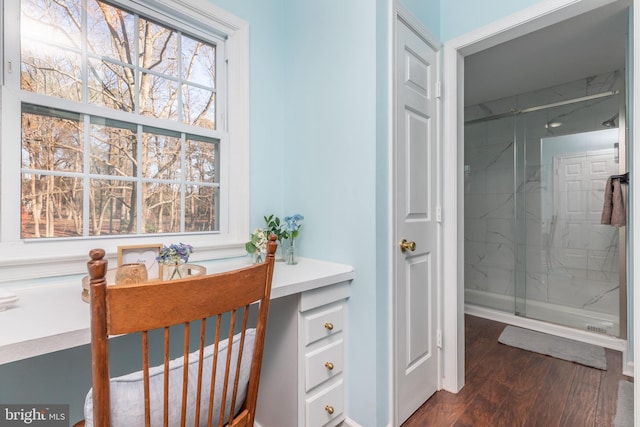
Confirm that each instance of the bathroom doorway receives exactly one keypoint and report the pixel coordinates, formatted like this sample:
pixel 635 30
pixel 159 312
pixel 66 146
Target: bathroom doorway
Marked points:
pixel 535 178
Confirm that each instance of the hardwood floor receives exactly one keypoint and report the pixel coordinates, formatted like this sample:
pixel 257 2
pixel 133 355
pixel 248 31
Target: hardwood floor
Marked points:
pixel 506 386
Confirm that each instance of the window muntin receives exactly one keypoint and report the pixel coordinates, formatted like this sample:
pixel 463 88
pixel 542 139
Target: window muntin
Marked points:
pixel 136 179
pixel 141 180
pixel 132 63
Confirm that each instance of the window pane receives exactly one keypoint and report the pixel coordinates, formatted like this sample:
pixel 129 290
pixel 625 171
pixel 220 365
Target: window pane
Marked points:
pixel 51 206
pixel 161 208
pixel 201 208
pixel 199 107
pixel 198 62
pixel 113 207
pixel 113 149
pixel 56 22
pixel 51 143
pixel 52 71
pixel 158 96
pixel 162 159
pixel 111 85
pixel 48 66
pixel 110 32
pixel 158 48
pixel 202 161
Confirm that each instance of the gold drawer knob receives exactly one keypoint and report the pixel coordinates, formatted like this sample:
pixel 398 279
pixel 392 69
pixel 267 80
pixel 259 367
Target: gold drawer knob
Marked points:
pixel 329 326
pixel 329 365
pixel 329 409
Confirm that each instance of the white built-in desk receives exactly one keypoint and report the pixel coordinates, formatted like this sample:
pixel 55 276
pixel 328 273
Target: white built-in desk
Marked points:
pixel 307 323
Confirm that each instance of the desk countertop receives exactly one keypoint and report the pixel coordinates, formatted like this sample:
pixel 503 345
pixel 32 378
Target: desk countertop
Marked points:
pixel 51 318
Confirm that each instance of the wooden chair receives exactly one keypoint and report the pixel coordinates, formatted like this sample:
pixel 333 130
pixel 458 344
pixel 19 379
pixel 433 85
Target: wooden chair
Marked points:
pixel 202 386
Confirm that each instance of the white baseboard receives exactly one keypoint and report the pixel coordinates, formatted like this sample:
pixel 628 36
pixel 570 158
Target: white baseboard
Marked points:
pixel 628 369
pixel 348 422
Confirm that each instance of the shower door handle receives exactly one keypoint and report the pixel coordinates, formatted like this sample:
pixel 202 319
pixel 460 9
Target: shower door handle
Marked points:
pixel 407 246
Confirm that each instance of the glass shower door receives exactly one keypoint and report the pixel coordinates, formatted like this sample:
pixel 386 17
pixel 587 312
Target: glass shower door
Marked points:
pixel 566 260
pixel 488 207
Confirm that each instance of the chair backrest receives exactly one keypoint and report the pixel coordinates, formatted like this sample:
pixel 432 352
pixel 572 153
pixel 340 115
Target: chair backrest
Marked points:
pixel 215 381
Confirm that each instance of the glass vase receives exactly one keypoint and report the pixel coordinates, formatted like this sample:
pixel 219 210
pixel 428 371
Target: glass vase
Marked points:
pixel 258 257
pixel 280 251
pixel 290 256
pixel 173 271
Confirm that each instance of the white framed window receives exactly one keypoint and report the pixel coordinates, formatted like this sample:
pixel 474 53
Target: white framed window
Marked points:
pixel 122 122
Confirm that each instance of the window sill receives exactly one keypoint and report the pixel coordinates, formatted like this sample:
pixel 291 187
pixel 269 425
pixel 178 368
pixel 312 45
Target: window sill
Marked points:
pixel 51 318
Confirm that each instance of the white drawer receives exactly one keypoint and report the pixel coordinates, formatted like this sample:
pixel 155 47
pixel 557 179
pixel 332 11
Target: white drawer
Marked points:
pixel 322 364
pixel 325 406
pixel 321 324
pixel 322 296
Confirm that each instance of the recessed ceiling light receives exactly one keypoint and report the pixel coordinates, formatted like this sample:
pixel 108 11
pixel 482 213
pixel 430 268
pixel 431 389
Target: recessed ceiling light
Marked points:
pixel 553 124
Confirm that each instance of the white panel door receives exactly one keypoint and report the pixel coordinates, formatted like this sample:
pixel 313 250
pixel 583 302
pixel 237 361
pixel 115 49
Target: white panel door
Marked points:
pixel 415 197
pixel 578 194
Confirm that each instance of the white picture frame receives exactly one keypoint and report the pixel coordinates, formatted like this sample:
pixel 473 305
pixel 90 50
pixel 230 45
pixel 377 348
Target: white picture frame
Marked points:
pixel 145 254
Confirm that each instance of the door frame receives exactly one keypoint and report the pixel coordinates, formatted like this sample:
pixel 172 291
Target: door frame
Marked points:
pixel 531 19
pixel 402 13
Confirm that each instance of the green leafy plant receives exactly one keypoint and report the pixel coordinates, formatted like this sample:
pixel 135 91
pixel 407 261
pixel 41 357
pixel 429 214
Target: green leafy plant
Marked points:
pixel 274 226
pixel 258 242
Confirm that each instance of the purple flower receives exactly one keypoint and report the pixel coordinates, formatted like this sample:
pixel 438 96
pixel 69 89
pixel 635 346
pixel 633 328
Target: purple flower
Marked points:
pixel 174 253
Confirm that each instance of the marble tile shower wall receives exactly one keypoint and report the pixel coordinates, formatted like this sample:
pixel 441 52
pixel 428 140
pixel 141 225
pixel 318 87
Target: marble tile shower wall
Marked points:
pixel 566 269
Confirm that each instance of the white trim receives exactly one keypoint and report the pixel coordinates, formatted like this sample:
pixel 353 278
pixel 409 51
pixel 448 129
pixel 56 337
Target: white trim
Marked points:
pixel 350 423
pixel 634 192
pixel 536 17
pixel 453 223
pixel 390 207
pixel 628 369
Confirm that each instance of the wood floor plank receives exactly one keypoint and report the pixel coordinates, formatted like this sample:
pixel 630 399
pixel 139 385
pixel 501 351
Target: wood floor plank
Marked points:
pixel 506 386
pixel 443 409
pixel 610 378
pixel 524 388
pixel 481 409
pixel 549 404
pixel 582 401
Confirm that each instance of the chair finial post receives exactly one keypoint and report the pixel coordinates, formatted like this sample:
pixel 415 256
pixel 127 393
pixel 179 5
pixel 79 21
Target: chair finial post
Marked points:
pixel 97 266
pixel 272 246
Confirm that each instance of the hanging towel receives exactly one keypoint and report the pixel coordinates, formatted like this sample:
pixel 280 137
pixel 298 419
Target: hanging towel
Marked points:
pixel 618 215
pixel 608 203
pixel 613 211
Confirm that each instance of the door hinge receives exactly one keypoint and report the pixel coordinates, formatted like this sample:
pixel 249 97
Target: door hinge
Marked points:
pixel 438 214
pixel 438 90
pixel 439 338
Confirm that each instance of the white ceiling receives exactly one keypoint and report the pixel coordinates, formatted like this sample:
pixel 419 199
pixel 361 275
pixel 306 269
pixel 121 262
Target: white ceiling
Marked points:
pixel 580 47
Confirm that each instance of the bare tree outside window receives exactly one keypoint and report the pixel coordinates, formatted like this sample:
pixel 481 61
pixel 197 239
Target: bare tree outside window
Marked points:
pixel 89 175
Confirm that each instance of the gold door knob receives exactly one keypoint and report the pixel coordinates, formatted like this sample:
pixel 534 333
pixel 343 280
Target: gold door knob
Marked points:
pixel 329 365
pixel 328 325
pixel 329 409
pixel 407 246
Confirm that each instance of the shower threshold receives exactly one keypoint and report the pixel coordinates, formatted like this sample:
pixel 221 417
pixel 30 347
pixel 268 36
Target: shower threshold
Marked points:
pixel 544 312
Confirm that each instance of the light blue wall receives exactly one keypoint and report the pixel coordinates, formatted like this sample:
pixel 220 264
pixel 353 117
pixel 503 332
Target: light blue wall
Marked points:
pixel 427 12
pixel 461 16
pixel 313 82
pixel 330 165
pixel 269 36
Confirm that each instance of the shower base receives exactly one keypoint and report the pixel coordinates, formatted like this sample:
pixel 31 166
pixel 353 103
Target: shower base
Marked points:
pixel 593 323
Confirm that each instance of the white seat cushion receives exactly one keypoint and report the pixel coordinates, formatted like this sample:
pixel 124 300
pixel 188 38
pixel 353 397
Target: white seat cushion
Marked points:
pixel 127 392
